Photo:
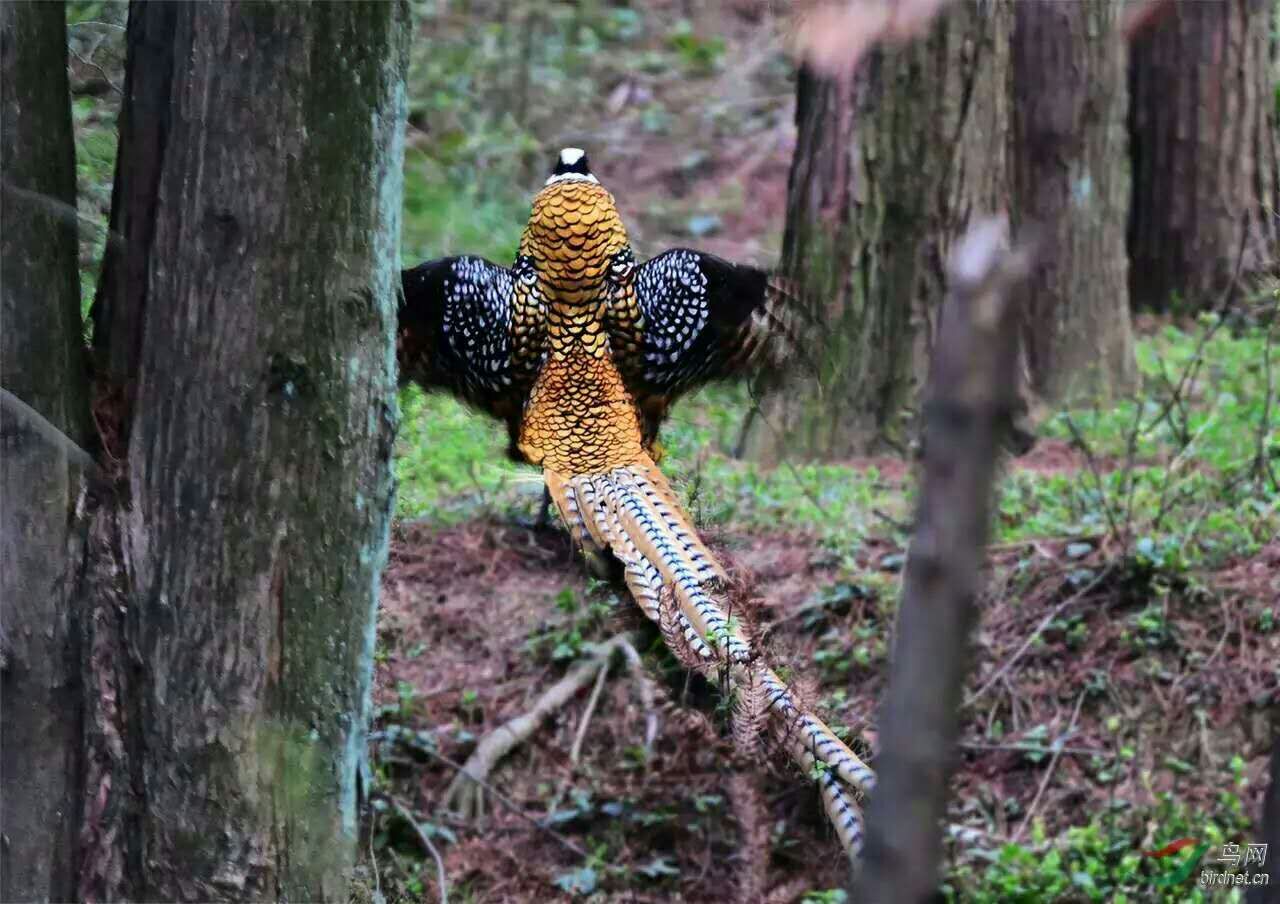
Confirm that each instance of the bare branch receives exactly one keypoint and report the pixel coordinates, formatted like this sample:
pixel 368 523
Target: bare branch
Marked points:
pixel 48 432
pixel 973 390
pixel 428 845
pixel 575 750
pixel 1048 773
pixel 465 793
pixel 1031 638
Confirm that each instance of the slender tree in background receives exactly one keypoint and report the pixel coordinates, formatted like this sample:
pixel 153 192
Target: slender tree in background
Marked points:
pixel 1071 176
pixel 42 363
pixel 244 394
pixel 1204 148
pixel 891 159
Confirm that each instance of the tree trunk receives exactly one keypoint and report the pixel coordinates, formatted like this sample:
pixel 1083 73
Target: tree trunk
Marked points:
pixel 1269 825
pixel 1070 177
pixel 874 202
pixel 244 335
pixel 41 362
pixel 1204 148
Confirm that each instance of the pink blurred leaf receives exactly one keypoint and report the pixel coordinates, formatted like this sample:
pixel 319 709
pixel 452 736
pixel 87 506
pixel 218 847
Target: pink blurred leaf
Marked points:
pixel 833 37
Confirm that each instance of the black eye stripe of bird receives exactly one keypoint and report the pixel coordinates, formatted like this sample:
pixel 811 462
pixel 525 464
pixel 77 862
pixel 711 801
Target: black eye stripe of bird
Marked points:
pixel 581 352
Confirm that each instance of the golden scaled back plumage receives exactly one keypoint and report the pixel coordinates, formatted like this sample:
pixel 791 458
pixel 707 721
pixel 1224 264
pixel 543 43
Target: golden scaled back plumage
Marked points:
pixel 580 418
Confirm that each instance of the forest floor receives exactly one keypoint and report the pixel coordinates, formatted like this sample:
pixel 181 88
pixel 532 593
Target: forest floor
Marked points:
pixel 1129 646
pixel 1113 707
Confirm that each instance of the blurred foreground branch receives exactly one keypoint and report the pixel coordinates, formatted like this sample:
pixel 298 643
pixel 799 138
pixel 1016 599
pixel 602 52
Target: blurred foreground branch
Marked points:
pixel 971 396
pixel 833 37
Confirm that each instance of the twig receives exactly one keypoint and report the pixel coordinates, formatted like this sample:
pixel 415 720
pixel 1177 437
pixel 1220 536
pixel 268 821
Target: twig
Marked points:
pixel 1048 773
pixel 425 840
pixel 464 796
pixel 1037 541
pixel 1131 482
pixel 576 748
pixel 1220 308
pixel 1091 461
pixel 85 22
pixel 1262 462
pixel 1038 748
pixel 601 676
pixel 373 861
pixel 102 72
pixel 48 432
pixel 903 526
pixel 805 489
pixel 645 686
pixel 507 802
pixel 1030 639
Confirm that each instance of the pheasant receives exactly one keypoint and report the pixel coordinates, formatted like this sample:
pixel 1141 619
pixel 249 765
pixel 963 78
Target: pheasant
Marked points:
pixel 582 351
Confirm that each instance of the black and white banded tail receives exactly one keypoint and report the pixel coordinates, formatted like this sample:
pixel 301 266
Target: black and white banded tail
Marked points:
pixel 677 582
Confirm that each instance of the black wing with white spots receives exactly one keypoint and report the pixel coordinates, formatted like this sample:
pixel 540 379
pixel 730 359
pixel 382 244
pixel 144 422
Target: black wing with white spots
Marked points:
pixel 702 319
pixel 455 331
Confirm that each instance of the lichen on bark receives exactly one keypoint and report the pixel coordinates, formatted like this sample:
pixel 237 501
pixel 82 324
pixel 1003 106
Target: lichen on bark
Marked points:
pixel 246 330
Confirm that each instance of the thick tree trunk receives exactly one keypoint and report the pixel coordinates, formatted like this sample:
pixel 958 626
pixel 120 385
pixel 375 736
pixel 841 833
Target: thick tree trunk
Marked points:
pixel 244 332
pixel 1071 177
pixel 890 162
pixel 1204 148
pixel 42 363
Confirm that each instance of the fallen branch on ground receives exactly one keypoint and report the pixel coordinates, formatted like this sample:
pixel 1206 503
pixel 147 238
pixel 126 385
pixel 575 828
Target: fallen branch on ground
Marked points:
pixel 465 794
pixel 428 846
pixel 1048 773
pixel 428 750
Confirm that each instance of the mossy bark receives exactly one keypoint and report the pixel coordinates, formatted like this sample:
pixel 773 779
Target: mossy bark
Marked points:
pixel 1071 178
pixel 890 163
pixel 42 363
pixel 1203 127
pixel 244 341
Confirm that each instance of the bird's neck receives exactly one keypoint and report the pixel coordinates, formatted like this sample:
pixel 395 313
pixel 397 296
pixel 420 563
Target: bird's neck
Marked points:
pixel 576 328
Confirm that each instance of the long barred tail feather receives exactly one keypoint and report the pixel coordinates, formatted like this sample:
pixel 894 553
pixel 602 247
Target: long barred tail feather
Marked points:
pixel 812 733
pixel 678 583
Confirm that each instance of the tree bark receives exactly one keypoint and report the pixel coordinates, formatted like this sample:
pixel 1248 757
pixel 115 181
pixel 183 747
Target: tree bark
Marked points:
pixel 1270 823
pixel 890 162
pixel 244 334
pixel 1071 177
pixel 41 362
pixel 1204 149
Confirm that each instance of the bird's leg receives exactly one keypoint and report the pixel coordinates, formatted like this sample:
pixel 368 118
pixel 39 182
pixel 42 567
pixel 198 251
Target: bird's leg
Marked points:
pixel 544 512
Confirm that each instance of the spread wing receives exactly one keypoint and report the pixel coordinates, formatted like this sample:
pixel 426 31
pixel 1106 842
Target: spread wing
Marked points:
pixel 701 318
pixel 455 331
